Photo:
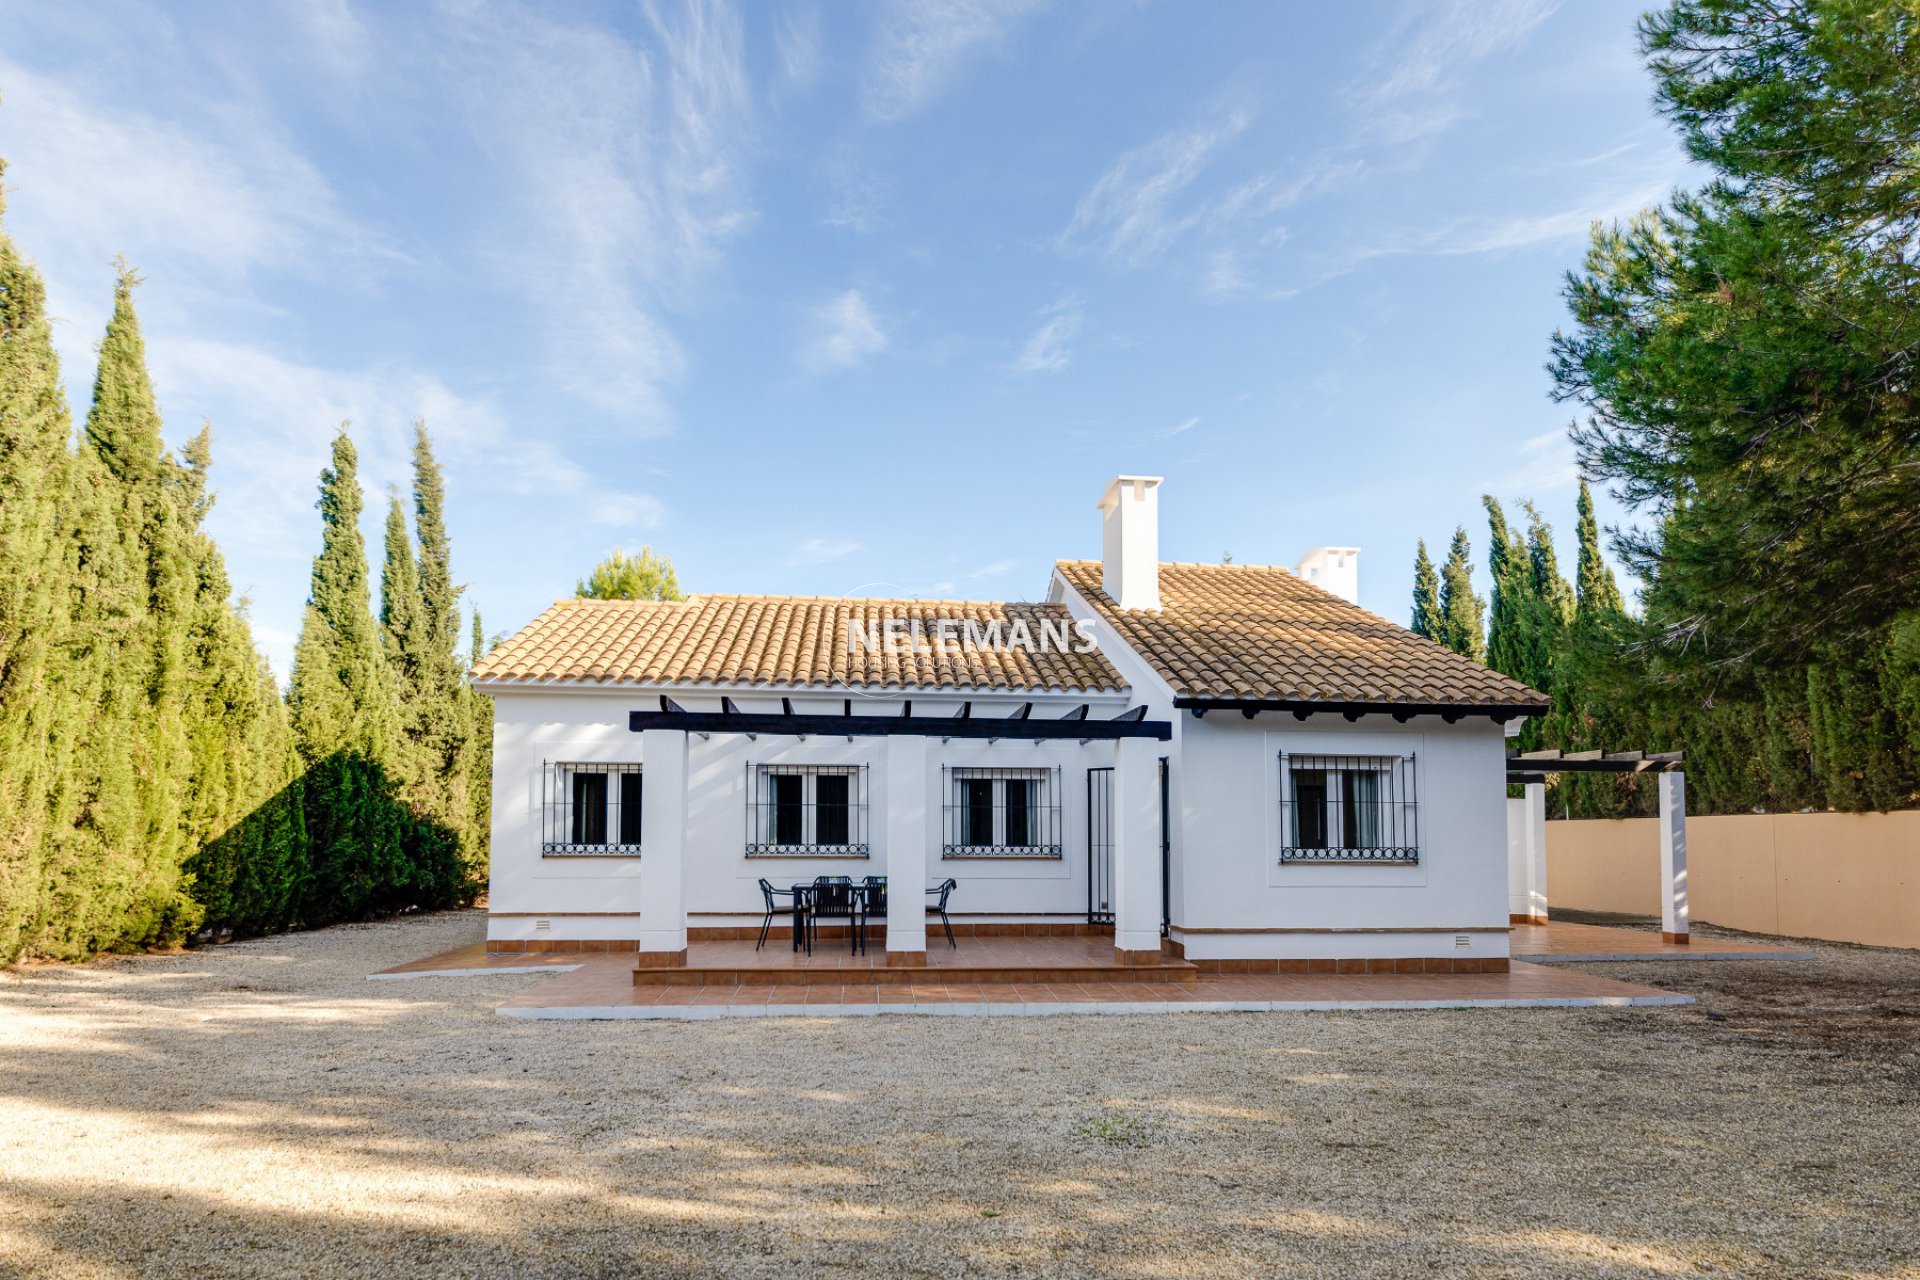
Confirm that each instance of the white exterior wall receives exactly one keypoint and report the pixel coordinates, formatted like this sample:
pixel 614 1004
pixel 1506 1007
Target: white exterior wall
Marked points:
pixel 1231 878
pixel 1230 896
pixel 598 897
pixel 1224 802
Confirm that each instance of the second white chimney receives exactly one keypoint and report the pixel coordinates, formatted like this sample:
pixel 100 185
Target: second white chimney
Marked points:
pixel 1335 569
pixel 1130 541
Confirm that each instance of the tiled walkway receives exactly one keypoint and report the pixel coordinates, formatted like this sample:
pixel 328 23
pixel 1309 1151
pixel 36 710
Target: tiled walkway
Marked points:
pixel 1566 943
pixel 602 987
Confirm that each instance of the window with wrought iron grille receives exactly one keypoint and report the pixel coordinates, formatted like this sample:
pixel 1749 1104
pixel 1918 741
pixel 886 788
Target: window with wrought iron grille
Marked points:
pixel 1348 809
pixel 1002 813
pixel 804 810
pixel 590 810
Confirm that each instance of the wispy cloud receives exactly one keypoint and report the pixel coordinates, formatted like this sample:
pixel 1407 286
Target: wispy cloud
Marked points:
pixel 222 199
pixel 823 551
pixel 1409 86
pixel 1179 428
pixel 628 181
pixel 997 569
pixel 857 199
pixel 796 41
pixel 1130 212
pixel 1542 464
pixel 842 333
pixel 1047 351
pixel 924 43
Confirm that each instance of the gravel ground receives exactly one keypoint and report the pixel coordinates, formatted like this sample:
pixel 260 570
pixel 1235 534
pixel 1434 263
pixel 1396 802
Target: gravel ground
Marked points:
pixel 262 1110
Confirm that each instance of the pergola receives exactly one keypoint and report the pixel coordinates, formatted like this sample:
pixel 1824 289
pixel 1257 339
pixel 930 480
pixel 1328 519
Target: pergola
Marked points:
pixel 1137 886
pixel 1527 828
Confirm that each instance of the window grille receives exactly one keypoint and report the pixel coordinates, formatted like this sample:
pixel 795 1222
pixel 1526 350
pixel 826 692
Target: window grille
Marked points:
pixel 590 810
pixel 806 811
pixel 1002 813
pixel 1348 809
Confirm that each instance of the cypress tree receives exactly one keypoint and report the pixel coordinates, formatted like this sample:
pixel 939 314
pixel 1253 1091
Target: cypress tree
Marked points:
pixel 346 722
pixel 480 794
pixel 136 602
pixel 403 633
pixel 1545 614
pixel 34 467
pixel 443 720
pixel 97 876
pixel 1512 576
pixel 244 818
pixel 1596 592
pixel 1428 619
pixel 1460 608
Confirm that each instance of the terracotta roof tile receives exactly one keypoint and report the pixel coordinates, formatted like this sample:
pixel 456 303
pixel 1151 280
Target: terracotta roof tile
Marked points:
pixel 1256 631
pixel 787 640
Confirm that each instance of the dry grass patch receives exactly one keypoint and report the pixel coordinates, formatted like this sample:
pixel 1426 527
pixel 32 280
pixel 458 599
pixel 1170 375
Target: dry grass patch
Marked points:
pixel 262 1110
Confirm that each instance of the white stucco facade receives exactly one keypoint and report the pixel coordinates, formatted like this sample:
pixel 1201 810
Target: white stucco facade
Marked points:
pixel 1309 822
pixel 1230 894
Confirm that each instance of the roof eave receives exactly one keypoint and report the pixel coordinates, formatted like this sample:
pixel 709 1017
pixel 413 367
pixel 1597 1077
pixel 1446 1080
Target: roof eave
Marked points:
pixel 1301 708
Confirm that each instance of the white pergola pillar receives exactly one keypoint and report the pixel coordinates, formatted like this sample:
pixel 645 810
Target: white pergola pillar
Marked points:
pixel 1527 856
pixel 1136 850
pixel 907 812
pixel 1675 920
pixel 663 850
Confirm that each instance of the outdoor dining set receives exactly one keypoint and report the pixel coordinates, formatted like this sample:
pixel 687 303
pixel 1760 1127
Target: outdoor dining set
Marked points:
pixel 834 898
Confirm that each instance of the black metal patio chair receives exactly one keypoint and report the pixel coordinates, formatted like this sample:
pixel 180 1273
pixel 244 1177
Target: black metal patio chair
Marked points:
pixel 795 906
pixel 939 905
pixel 873 891
pixel 835 898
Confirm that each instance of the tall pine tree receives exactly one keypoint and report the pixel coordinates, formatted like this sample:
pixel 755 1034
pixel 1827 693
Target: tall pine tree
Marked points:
pixel 133 612
pixel 346 721
pixel 1428 618
pixel 1512 577
pixel 244 816
pixel 1460 609
pixel 34 469
pixel 443 725
pixel 1596 590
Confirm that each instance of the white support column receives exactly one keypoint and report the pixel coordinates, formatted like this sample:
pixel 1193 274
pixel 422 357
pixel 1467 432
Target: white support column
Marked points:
pixel 1527 856
pixel 663 850
pixel 1537 851
pixel 907 834
pixel 1675 920
pixel 1136 850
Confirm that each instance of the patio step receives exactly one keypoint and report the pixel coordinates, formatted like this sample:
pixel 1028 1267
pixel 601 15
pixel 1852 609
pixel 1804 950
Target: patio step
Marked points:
pixel 853 975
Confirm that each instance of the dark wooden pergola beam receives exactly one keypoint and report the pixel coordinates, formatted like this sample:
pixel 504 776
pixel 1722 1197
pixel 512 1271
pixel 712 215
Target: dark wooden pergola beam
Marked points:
pixel 1075 725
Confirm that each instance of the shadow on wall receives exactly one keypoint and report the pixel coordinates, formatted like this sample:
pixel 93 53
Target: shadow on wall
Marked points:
pixel 337 843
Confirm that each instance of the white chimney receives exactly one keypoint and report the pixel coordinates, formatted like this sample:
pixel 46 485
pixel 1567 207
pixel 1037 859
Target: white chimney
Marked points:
pixel 1335 569
pixel 1130 541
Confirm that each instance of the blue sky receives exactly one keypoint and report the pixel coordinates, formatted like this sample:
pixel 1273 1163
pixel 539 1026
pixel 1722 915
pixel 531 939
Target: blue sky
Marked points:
pixel 823 297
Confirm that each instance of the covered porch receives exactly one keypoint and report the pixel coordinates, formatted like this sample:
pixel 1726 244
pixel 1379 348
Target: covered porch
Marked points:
pixel 907 808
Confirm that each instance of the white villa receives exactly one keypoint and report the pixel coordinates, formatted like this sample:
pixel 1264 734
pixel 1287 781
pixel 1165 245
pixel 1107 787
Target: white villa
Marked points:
pixel 1230 765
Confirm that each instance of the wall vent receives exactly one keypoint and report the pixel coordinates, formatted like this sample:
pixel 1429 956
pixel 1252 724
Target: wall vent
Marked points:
pixel 1461 942
pixel 540 926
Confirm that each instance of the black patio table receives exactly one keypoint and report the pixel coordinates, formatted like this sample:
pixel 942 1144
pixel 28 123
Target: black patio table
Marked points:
pixel 806 896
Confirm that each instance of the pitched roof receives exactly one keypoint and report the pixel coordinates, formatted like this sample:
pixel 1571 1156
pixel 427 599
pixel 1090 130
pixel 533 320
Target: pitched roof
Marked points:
pixel 1261 632
pixel 791 640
